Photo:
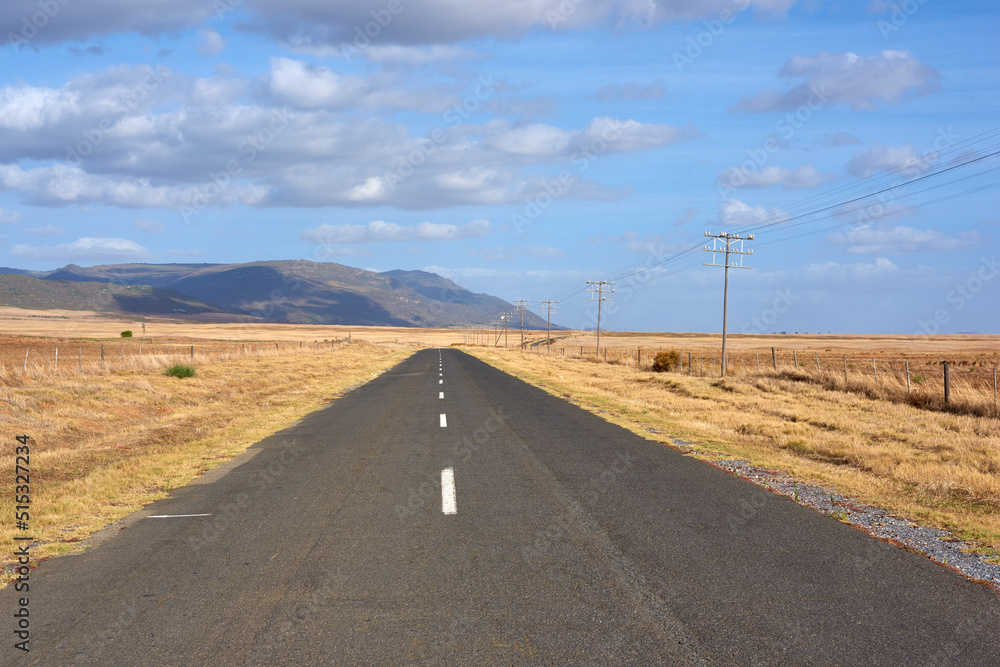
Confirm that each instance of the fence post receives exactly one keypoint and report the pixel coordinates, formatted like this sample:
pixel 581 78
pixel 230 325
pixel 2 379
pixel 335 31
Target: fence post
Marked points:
pixel 57 360
pixel 102 354
pixel 845 370
pixel 818 369
pixel 994 390
pixel 79 367
pixel 192 351
pixel 758 361
pixel 690 367
pixel 774 358
pixel 795 359
pixel 947 384
pixel 907 376
pixel 123 354
pixel 874 369
pixel 701 368
pixel 26 359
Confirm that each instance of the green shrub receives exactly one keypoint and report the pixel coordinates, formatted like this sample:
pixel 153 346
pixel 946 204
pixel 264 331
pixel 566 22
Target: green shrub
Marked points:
pixel 126 334
pixel 180 371
pixel 666 361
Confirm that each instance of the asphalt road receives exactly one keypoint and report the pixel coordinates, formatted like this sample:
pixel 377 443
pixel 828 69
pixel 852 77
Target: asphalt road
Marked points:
pixel 562 540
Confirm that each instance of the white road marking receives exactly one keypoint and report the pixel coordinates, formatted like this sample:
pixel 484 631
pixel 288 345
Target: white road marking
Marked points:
pixel 441 375
pixel 173 516
pixel 440 381
pixel 440 394
pixel 444 420
pixel 448 502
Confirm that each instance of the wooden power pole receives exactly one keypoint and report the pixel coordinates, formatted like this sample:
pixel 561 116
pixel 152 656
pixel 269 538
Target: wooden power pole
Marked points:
pixel 729 240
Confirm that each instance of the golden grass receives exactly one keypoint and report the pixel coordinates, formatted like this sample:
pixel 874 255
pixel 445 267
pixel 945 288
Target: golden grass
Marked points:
pixel 105 445
pixel 935 468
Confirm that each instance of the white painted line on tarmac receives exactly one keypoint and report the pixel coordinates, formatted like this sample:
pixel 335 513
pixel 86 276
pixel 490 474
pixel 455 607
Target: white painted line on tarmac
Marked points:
pixel 444 420
pixel 440 394
pixel 448 503
pixel 440 381
pixel 173 516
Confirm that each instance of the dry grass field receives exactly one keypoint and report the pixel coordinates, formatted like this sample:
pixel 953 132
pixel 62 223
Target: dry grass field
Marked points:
pixel 109 437
pixel 933 467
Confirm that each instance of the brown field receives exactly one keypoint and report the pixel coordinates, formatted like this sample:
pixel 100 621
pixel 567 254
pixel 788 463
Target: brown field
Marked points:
pixel 108 438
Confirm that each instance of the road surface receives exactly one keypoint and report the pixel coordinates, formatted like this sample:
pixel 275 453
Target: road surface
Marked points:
pixel 448 513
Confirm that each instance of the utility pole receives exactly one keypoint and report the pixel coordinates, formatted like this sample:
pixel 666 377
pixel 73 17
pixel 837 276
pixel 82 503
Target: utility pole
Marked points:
pixel 496 330
pixel 505 316
pixel 548 307
pixel 600 288
pixel 730 248
pixel 520 305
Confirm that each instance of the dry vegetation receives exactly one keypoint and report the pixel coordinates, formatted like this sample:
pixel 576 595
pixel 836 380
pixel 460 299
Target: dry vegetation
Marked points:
pixel 108 441
pixel 932 467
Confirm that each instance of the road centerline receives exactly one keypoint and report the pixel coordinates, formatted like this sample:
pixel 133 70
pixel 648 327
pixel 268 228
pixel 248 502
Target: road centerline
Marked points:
pixel 449 503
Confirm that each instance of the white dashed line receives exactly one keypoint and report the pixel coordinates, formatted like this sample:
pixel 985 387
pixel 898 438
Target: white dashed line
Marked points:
pixel 444 420
pixel 440 394
pixel 448 502
pixel 440 381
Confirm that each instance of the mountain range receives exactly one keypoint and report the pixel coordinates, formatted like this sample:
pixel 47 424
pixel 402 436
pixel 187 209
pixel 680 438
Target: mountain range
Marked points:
pixel 296 291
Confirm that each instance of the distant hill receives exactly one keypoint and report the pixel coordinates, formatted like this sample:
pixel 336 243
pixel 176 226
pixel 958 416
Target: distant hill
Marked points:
pixel 297 291
pixel 40 294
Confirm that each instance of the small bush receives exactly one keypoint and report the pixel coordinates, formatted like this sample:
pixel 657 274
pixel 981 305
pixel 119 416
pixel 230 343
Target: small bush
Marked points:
pixel 666 361
pixel 180 371
pixel 126 334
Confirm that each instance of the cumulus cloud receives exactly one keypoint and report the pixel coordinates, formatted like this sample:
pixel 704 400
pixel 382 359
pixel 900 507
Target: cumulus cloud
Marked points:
pixel 734 212
pixel 9 217
pixel 800 178
pixel 84 249
pixel 904 160
pixel 614 92
pixel 379 231
pixel 868 240
pixel 860 82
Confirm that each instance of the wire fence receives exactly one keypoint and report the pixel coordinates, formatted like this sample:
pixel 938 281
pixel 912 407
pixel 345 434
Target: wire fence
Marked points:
pixel 964 384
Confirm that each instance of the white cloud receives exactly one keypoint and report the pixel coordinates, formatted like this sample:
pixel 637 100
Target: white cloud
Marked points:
pixel 904 160
pixel 860 82
pixel 210 42
pixel 84 249
pixel 867 240
pixel 800 178
pixel 300 84
pixel 734 212
pixel 379 230
pixel 148 225
pixel 829 272
pixel 9 217
pixel 45 230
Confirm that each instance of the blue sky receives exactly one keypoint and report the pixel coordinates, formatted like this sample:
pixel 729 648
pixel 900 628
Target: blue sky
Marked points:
pixel 523 148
